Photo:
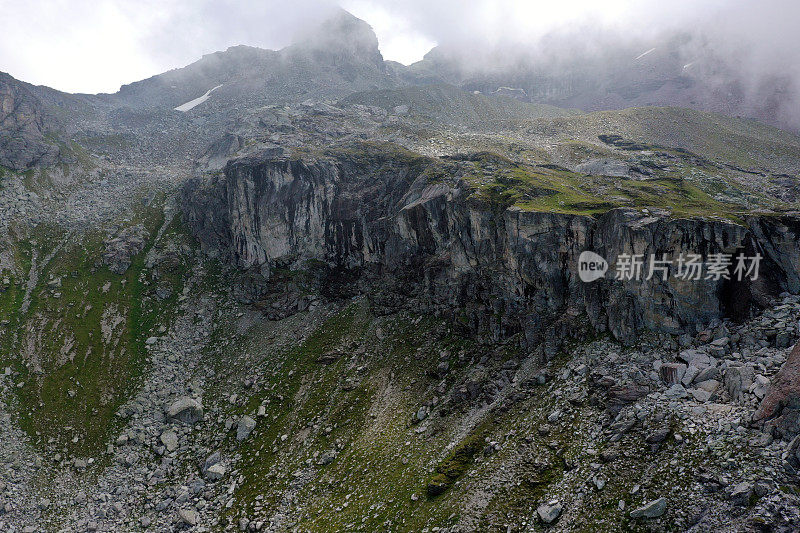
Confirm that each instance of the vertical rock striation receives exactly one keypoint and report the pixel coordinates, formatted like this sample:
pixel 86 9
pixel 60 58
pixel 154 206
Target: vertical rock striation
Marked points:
pixel 501 270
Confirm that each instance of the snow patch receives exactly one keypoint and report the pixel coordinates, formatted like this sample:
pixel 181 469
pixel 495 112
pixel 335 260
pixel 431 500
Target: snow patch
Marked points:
pixel 644 54
pixel 197 101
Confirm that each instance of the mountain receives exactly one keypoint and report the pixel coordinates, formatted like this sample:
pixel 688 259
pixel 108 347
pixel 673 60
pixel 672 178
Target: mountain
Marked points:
pixel 313 290
pixel 446 104
pixel 342 57
pixel 599 72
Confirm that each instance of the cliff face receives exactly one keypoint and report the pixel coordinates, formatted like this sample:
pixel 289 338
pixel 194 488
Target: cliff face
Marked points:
pixel 22 128
pixel 498 270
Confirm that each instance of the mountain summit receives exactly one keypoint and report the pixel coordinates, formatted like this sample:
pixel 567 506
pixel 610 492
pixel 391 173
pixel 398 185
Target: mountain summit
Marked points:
pixel 341 39
pixel 335 58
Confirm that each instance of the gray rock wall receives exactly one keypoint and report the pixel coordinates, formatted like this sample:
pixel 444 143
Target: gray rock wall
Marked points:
pixel 22 128
pixel 501 271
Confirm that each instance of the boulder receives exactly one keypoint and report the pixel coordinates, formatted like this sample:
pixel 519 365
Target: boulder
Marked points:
pixel 652 509
pixel 741 493
pixel 672 373
pixel 676 392
pixel 738 380
pixel 780 407
pixel 213 468
pixel 760 386
pixel 170 440
pixel 690 375
pixel 709 385
pixel 186 410
pixel 700 395
pixel 549 512
pixel 215 472
pixel 621 395
pixel 791 456
pixel 211 460
pixel 245 427
pixel 707 373
pixel 188 516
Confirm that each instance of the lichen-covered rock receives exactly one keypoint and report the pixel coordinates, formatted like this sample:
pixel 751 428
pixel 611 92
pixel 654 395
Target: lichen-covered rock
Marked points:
pixel 549 512
pixel 652 509
pixel 245 427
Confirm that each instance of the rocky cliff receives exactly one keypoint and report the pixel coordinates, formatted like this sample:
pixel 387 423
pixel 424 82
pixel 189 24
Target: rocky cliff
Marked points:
pixel 387 214
pixel 22 128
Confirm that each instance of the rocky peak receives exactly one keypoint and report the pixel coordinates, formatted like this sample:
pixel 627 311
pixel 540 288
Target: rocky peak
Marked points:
pixel 341 37
pixel 343 50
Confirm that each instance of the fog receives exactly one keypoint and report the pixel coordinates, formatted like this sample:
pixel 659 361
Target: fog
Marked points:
pixel 91 46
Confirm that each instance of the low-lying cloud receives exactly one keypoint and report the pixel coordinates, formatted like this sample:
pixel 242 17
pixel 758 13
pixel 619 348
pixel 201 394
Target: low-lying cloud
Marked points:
pixel 92 46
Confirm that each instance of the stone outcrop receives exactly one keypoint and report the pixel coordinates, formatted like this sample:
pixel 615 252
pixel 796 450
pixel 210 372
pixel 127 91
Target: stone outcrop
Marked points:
pixel 374 210
pixel 22 128
pixel 217 155
pixel 120 250
pixel 780 407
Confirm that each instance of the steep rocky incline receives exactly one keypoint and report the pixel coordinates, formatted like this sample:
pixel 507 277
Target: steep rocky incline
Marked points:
pixel 22 127
pixel 382 212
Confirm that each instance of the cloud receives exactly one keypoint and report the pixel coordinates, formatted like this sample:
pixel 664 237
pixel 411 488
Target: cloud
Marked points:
pixel 75 46
pixel 96 45
pixel 749 47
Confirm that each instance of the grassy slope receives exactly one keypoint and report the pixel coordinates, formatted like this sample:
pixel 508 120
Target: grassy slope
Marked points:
pixel 449 105
pixel 87 336
pixel 499 181
pixel 733 140
pixel 363 404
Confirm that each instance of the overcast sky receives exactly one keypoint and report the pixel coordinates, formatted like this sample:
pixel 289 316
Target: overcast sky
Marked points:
pixel 97 45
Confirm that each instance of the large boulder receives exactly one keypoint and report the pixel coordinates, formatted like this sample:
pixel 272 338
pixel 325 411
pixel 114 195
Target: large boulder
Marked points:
pixel 170 440
pixel 549 512
pixel 780 408
pixel 738 379
pixel 652 509
pixel 245 427
pixel 186 410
